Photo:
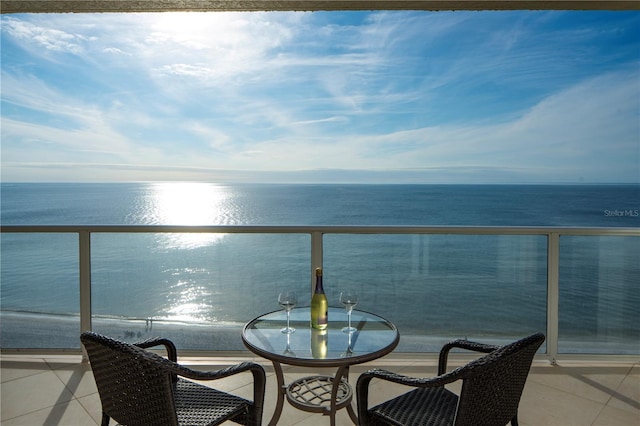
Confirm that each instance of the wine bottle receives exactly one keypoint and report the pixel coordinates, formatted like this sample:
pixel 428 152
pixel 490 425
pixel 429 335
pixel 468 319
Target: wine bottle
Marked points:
pixel 319 305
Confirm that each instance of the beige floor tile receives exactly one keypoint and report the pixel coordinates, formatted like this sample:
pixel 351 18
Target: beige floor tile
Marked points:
pixel 16 369
pixel 548 406
pixel 78 378
pixel 56 362
pixel 28 394
pixel 290 415
pixel 92 405
pixel 583 381
pixel 627 395
pixel 610 416
pixel 317 419
pixel 70 413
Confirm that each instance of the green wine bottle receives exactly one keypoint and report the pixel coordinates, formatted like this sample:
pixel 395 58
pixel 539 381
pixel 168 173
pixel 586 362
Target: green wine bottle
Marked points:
pixel 319 305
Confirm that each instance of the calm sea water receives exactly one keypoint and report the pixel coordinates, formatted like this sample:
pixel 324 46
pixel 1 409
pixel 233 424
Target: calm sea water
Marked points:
pixel 472 285
pixel 212 204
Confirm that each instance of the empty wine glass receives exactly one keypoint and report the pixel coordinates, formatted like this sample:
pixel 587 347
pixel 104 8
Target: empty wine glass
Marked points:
pixel 349 300
pixel 287 300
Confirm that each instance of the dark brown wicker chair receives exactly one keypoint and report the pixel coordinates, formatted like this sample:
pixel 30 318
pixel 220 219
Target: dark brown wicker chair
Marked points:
pixel 491 389
pixel 138 387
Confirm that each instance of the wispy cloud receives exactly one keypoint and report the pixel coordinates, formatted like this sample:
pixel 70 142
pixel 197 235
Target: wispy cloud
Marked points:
pixel 51 39
pixel 540 95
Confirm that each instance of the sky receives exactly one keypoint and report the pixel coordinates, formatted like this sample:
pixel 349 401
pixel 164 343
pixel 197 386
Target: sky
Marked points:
pixel 353 97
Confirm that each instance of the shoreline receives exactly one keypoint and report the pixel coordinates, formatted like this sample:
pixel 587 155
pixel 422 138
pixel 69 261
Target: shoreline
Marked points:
pixel 62 331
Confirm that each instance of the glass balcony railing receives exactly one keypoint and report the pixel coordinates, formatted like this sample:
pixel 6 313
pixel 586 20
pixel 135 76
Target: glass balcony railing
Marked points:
pixel 200 285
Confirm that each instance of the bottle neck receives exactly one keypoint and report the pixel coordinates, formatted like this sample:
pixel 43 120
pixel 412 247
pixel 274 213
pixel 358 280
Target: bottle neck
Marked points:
pixel 319 288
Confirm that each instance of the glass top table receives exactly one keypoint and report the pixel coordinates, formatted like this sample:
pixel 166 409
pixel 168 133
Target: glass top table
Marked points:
pixel 308 347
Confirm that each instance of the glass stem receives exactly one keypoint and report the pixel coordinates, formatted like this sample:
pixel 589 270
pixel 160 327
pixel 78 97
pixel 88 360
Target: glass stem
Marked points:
pixel 288 316
pixel 349 315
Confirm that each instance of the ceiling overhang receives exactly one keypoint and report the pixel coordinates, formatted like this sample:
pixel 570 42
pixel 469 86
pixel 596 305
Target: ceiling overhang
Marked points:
pixel 92 6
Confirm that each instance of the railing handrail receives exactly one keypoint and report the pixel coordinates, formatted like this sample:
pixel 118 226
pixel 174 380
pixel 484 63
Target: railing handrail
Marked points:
pixel 327 229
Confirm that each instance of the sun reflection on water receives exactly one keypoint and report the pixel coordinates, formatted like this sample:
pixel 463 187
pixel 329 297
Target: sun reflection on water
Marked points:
pixel 190 312
pixel 189 203
pixel 188 299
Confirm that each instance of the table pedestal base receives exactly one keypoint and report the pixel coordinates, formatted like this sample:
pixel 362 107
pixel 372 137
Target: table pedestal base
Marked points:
pixel 316 394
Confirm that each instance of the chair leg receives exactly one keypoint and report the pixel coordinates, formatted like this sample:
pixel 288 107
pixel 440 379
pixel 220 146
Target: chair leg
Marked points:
pixel 105 420
pixel 514 420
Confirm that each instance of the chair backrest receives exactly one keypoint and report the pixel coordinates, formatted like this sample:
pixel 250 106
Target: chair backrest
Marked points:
pixel 492 385
pixel 134 387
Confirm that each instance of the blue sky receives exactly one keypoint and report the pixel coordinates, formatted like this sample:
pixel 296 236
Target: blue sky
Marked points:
pixel 414 97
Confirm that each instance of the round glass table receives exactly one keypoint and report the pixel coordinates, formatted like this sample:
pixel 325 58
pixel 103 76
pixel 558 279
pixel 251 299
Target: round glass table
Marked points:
pixel 307 347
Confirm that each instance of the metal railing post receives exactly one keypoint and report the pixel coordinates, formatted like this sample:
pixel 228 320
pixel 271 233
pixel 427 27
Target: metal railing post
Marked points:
pixel 85 280
pixel 553 291
pixel 316 254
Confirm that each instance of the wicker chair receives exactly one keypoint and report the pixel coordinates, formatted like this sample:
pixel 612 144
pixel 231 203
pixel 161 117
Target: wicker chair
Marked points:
pixel 491 389
pixel 138 387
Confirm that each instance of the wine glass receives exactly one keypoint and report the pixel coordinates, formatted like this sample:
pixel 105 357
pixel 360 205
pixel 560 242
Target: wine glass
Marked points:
pixel 349 300
pixel 287 300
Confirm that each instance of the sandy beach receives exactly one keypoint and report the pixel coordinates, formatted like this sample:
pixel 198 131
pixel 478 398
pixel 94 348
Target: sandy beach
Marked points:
pixel 46 331
pixel 25 330
pixel 63 331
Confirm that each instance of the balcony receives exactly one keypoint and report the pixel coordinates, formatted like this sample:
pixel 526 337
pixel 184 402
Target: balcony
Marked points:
pixel 587 372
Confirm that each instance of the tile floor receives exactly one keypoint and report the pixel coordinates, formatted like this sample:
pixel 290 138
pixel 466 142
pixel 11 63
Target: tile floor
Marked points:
pixel 59 390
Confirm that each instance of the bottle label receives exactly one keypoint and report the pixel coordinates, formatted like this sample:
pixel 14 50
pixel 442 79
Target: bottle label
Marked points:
pixel 322 319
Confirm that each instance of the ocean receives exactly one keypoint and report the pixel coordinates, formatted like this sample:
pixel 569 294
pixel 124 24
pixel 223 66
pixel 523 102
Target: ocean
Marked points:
pixel 437 285
pixel 272 204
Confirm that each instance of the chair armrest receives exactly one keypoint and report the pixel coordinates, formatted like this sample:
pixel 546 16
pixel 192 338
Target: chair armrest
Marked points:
pixel 362 385
pixel 462 344
pixel 254 368
pixel 172 352
pixel 183 371
pixel 417 382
